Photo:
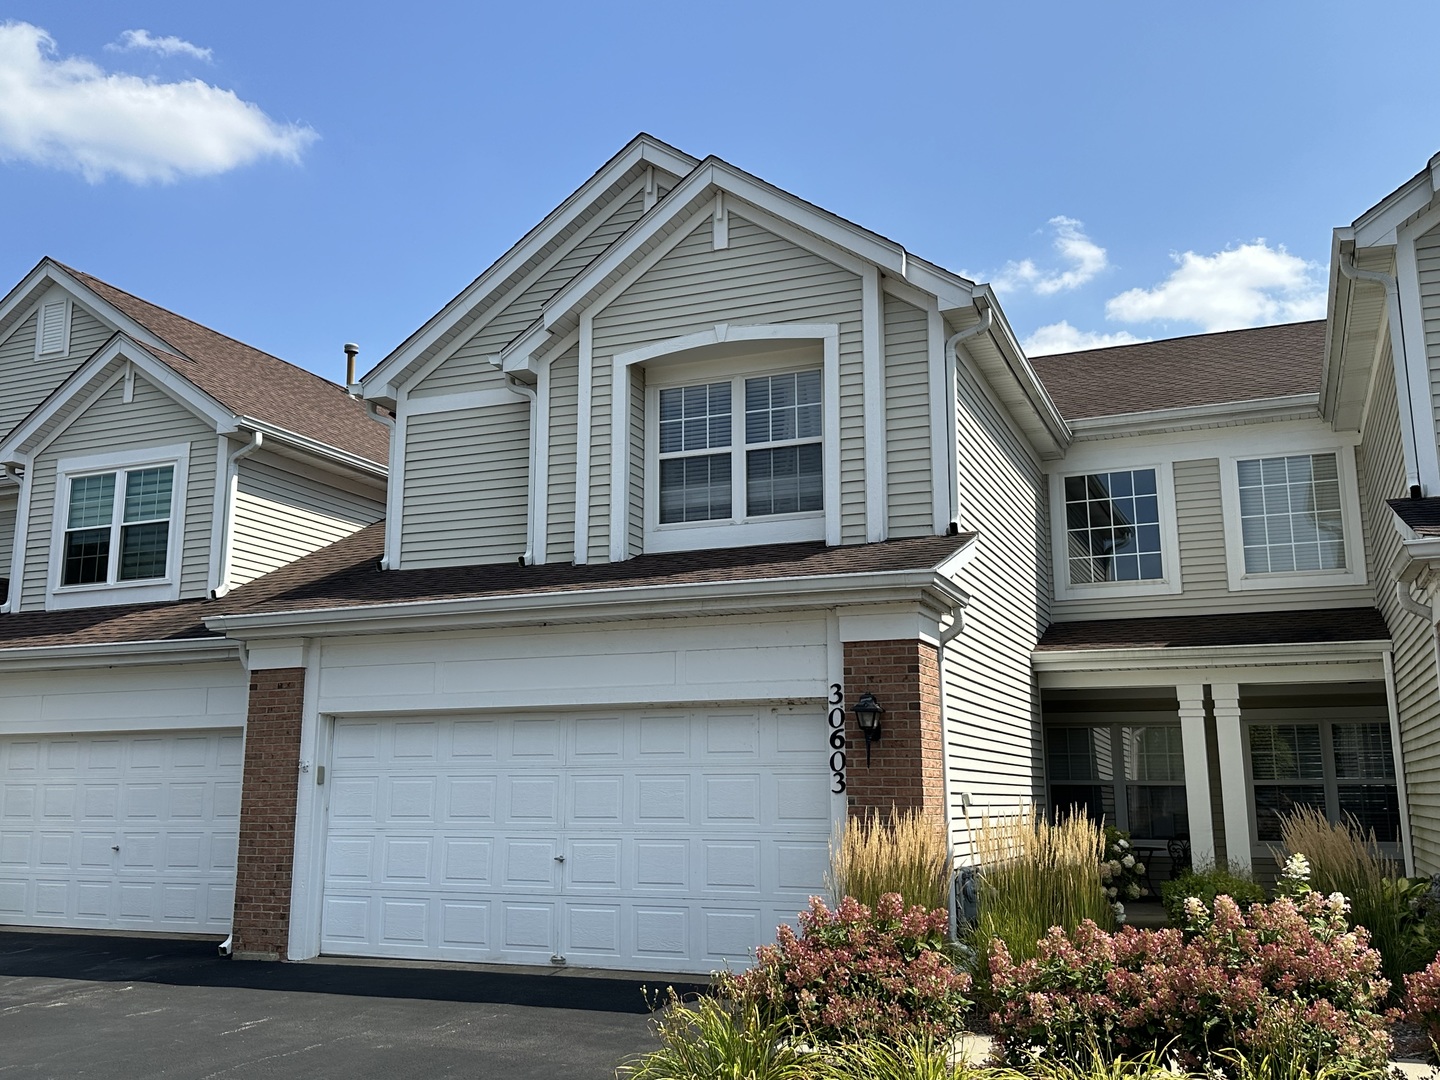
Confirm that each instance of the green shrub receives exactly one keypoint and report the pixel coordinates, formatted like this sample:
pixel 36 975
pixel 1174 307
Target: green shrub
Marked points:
pixel 710 1039
pixel 908 855
pixel 1034 874
pixel 1206 885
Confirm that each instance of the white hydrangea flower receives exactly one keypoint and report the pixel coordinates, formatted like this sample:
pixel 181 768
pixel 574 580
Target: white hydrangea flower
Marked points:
pixel 1194 907
pixel 1339 902
pixel 1297 866
pixel 1132 891
pixel 1128 861
pixel 1105 874
pixel 1114 866
pixel 1112 892
pixel 1122 844
pixel 1119 910
pixel 1139 868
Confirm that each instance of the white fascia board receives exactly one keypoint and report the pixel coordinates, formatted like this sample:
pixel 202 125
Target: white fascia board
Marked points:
pixel 1337 312
pixel 1023 373
pixel 119 654
pixel 1288 407
pixel 1376 227
pixel 925 588
pixel 375 384
pixel 18 442
pixel 108 312
pixel 1210 656
pixel 313 446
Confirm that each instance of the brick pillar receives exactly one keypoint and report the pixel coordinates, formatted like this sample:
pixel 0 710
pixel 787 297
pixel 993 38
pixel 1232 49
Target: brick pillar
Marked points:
pixel 267 814
pixel 906 770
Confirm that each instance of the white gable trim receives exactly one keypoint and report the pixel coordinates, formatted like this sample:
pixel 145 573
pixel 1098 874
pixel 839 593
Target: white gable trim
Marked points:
pixel 641 149
pixel 872 342
pixel 827 333
pixel 1417 352
pixel 48 270
pixel 30 436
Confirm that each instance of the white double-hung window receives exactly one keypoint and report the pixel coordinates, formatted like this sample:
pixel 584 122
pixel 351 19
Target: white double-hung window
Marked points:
pixel 117 528
pixel 1114 532
pixel 742 450
pixel 1292 519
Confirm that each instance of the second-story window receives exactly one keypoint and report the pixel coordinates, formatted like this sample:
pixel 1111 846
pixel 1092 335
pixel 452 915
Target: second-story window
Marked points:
pixel 1290 516
pixel 117 526
pixel 1113 527
pixel 771 450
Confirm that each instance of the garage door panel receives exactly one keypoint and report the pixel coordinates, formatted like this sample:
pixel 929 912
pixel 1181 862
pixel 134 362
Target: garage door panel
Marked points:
pixel 409 799
pixel 682 836
pixel 118 831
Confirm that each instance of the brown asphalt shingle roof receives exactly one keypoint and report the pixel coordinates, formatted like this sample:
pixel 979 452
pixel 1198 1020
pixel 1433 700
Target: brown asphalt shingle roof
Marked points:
pixel 253 383
pixel 1422 515
pixel 1204 369
pixel 346 574
pixel 1200 631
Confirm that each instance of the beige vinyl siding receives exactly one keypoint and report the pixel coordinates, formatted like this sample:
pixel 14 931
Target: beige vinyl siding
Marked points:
pixel 759 278
pixel 992 724
pixel 560 493
pixel 465 495
pixel 1204 580
pixel 7 531
pixel 1381 466
pixel 1427 266
pixel 280 516
pixel 29 381
pixel 469 368
pixel 907 419
pixel 111 425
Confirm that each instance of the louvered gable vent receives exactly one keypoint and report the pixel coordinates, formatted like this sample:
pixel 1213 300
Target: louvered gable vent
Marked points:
pixel 52 327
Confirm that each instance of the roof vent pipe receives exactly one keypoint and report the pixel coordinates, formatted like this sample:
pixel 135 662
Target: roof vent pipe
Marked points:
pixel 351 351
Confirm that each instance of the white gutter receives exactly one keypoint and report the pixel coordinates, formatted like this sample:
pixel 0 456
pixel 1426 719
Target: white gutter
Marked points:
pixel 1146 657
pixel 1286 407
pixel 1409 436
pixel 952 360
pixel 114 654
pixel 534 483
pixel 926 588
pixel 315 446
pixel 227 525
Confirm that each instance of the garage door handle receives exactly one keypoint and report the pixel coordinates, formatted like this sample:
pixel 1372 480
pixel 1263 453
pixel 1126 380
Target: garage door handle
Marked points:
pixel 558 858
pixel 114 847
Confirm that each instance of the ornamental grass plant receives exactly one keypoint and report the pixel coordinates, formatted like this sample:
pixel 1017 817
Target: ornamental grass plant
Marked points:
pixel 1034 874
pixel 906 854
pixel 1342 857
pixel 713 1039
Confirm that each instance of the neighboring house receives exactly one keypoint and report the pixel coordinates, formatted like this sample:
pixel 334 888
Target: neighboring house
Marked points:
pixel 675 483
pixel 150 464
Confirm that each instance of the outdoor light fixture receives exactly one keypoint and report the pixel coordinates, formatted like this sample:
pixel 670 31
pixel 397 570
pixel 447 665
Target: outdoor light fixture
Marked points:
pixel 867 714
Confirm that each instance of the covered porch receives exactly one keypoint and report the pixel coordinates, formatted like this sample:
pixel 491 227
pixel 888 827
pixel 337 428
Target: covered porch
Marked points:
pixel 1198 745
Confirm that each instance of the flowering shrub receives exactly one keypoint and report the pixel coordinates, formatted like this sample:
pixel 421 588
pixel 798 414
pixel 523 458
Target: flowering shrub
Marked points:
pixel 1122 875
pixel 1422 1000
pixel 1287 978
pixel 1206 885
pixel 854 973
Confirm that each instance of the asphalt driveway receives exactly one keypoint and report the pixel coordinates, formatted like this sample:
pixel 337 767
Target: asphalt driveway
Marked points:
pixel 90 1006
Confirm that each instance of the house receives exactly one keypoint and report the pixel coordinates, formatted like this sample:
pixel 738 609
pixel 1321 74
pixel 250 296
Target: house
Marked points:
pixel 150 466
pixel 674 485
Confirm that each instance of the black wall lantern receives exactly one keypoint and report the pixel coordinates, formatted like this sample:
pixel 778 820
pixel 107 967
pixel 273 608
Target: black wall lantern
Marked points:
pixel 867 714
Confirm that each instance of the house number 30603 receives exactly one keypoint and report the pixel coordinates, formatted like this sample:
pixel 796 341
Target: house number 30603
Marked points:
pixel 836 720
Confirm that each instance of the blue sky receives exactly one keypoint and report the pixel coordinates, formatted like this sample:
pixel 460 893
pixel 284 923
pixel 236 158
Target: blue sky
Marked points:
pixel 299 181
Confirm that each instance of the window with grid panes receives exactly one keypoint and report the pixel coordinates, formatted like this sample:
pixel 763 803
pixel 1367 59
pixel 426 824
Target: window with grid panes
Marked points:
pixel 1112 522
pixel 1344 769
pixel 1132 776
pixel 771 451
pixel 117 526
pixel 1290 517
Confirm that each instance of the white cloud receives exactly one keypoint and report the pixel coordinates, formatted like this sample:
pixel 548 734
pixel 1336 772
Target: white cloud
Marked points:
pixel 68 113
pixel 1084 258
pixel 165 46
pixel 1061 337
pixel 1250 285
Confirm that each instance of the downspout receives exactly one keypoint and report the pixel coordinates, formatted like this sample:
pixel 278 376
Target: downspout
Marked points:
pixel 949 634
pixel 16 472
pixel 373 411
pixel 232 481
pixel 952 346
pixel 515 386
pixel 1406 572
pixel 1408 433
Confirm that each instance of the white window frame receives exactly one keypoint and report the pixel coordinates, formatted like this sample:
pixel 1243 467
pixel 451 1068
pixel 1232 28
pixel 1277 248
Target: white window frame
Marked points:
pixel 49 298
pixel 1169 584
pixel 1240 580
pixel 61 597
pixel 771 349
pixel 1329 781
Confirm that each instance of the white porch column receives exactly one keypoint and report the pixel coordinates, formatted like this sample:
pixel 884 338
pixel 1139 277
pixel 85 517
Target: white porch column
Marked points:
pixel 1197 775
pixel 1234 796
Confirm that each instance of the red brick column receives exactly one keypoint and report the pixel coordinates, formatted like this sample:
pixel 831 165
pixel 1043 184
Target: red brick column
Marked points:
pixel 906 769
pixel 267 814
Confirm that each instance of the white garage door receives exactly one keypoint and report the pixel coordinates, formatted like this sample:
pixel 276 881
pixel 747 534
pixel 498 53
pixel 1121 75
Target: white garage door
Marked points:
pixel 120 832
pixel 648 840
